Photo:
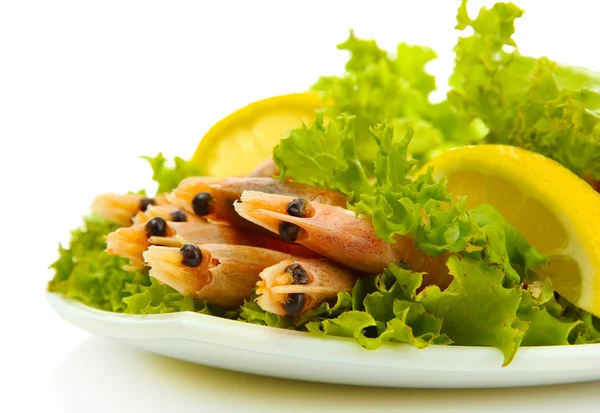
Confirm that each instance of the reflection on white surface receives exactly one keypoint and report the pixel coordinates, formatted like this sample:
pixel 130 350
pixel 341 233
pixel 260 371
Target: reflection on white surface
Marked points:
pixel 101 375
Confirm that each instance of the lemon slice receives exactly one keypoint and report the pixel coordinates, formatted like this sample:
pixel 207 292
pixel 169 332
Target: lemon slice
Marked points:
pixel 558 212
pixel 235 145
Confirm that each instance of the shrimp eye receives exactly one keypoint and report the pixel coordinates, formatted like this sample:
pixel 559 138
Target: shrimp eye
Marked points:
pixel 298 273
pixel 203 204
pixel 144 202
pixel 191 255
pixel 156 227
pixel 300 208
pixel 288 232
pixel 178 216
pixel 294 304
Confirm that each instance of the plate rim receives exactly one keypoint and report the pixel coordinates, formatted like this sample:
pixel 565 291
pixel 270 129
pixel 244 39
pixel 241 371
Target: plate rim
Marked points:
pixel 187 325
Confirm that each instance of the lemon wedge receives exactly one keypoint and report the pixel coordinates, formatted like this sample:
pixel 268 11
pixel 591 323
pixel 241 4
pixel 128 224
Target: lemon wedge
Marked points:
pixel 558 212
pixel 238 143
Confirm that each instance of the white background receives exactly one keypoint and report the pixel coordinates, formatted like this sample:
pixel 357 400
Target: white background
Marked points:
pixel 88 86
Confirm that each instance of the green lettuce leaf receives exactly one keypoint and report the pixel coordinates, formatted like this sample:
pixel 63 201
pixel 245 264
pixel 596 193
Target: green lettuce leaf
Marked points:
pixel 148 296
pixel 168 177
pixel 388 313
pixel 545 329
pixel 362 288
pixel 251 312
pixel 351 324
pixel 343 303
pixel 502 245
pixel 476 309
pixel 378 86
pixel 589 331
pixel 395 283
pixel 323 156
pixel 532 103
pixel 86 272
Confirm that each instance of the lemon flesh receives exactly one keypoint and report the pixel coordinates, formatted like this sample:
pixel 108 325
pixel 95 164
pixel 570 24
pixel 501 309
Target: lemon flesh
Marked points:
pixel 558 212
pixel 235 145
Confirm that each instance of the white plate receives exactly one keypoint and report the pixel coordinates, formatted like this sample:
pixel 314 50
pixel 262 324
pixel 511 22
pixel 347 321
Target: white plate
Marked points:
pixel 275 352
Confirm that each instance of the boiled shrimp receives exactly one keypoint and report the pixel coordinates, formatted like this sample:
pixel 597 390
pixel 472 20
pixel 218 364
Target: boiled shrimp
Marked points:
pixel 339 235
pixel 293 287
pixel 166 211
pixel 131 242
pixel 267 169
pixel 121 208
pixel 213 198
pixel 223 275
